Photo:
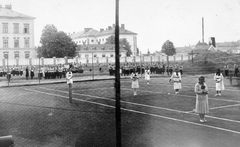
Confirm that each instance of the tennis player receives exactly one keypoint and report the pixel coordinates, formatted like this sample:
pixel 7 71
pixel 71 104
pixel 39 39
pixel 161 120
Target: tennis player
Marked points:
pixel 147 75
pixel 176 77
pixel 69 76
pixel 135 84
pixel 201 91
pixel 218 77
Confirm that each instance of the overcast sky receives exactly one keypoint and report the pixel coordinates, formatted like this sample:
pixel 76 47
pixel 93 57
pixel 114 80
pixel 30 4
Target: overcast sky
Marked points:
pixel 155 21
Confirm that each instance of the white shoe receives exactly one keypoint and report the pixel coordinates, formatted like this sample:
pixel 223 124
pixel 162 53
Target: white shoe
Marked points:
pixel 204 120
pixel 201 120
pixel 176 92
pixel 216 94
pixel 219 94
pixel 135 94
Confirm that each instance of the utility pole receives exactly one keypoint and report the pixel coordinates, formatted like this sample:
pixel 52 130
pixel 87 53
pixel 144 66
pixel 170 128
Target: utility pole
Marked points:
pixel 92 67
pixel 117 80
pixel 192 63
pixel 39 71
pixel 140 64
pixel 202 29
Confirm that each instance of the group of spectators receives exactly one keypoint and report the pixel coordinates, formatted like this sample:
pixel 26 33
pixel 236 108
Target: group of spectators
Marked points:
pixel 44 72
pixel 235 73
pixel 155 68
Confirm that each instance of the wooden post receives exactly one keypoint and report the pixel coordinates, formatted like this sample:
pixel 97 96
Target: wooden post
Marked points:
pixel 70 93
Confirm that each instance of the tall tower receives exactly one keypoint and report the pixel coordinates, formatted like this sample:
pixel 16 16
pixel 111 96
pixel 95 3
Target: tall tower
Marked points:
pixel 202 29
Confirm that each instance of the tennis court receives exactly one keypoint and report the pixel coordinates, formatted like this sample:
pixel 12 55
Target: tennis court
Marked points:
pixel 153 118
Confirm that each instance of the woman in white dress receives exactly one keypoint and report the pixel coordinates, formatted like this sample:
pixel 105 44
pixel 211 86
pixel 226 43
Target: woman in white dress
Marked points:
pixel 147 75
pixel 69 77
pixel 176 77
pixel 202 106
pixel 218 77
pixel 135 84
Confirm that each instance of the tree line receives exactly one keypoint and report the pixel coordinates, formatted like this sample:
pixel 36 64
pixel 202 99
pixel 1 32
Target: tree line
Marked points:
pixel 58 44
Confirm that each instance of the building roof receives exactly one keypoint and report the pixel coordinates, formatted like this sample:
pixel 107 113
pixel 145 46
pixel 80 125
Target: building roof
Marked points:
pixel 8 13
pixel 111 31
pixel 212 48
pixel 76 35
pixel 201 45
pixel 90 32
pixel 98 48
pixel 185 49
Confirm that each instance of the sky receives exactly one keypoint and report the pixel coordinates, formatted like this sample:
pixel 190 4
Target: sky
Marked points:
pixel 154 21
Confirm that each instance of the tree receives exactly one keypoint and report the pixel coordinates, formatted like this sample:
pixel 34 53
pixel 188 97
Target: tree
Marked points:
pixel 55 44
pixel 123 42
pixel 169 49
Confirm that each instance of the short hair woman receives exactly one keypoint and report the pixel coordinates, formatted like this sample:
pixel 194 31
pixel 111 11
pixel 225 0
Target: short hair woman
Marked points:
pixel 201 90
pixel 218 77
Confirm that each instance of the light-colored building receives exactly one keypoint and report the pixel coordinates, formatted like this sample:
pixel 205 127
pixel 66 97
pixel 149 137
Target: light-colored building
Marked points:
pixel 99 51
pixel 16 34
pixel 91 36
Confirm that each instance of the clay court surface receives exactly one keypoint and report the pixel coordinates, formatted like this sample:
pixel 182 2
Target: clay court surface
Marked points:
pixel 42 116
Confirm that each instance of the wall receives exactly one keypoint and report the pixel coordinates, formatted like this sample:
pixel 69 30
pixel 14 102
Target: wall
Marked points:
pixel 98 60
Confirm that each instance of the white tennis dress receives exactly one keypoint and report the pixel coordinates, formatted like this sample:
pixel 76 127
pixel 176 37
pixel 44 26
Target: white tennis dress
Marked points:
pixel 219 82
pixel 176 80
pixel 134 78
pixel 147 74
pixel 69 76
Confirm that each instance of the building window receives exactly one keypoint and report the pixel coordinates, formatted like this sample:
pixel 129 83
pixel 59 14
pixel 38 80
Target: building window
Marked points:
pixel 16 55
pixel 111 55
pixel 119 55
pixel 5 55
pixel 95 55
pixel 86 55
pixel 16 43
pixel 5 28
pixel 92 40
pixel 5 43
pixel 79 55
pixel 26 43
pixel 27 55
pixel 26 29
pixel 16 28
pixel 103 55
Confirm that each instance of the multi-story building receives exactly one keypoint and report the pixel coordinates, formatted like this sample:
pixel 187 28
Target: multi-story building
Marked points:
pixel 16 34
pixel 91 36
pixel 99 51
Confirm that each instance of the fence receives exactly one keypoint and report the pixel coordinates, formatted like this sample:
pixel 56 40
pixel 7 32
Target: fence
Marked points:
pixel 97 60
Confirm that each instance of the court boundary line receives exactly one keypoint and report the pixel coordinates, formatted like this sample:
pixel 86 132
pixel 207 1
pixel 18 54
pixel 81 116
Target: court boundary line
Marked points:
pixel 187 85
pixel 144 105
pixel 184 95
pixel 139 112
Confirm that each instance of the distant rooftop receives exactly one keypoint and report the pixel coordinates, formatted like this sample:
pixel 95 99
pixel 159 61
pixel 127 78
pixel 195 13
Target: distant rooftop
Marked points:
pixel 90 32
pixel 6 12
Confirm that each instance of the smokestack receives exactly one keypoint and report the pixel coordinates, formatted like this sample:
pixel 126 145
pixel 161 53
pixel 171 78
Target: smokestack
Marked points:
pixel 202 29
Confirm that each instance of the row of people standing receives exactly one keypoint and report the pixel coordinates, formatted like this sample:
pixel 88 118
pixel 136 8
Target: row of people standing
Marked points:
pixel 46 72
pixel 127 69
pixel 235 72
pixel 15 71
